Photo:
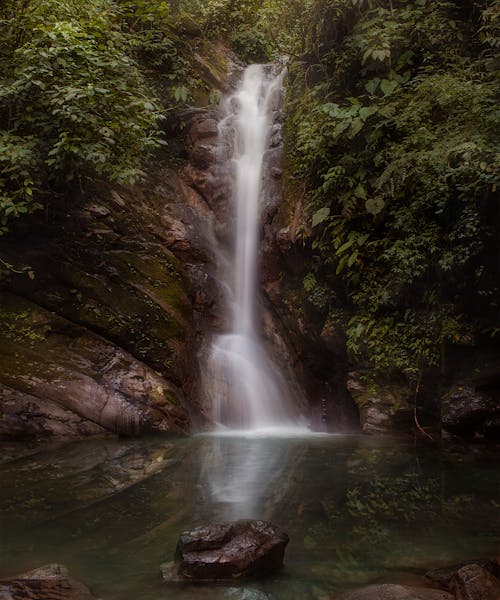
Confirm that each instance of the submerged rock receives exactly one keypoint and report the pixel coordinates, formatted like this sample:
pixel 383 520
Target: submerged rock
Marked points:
pixel 224 552
pixel 246 594
pixel 50 582
pixel 395 592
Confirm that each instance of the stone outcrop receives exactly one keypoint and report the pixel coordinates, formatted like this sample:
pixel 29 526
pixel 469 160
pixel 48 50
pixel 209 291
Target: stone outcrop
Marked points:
pixel 473 582
pixel 469 412
pixel 383 408
pixel 102 336
pixel 227 551
pixel 60 379
pixel 48 582
pixel 444 575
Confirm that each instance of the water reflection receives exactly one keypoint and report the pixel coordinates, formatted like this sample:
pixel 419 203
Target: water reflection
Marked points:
pixel 245 477
pixel 357 509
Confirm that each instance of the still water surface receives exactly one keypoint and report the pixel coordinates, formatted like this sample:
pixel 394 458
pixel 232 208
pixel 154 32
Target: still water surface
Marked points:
pixel 357 510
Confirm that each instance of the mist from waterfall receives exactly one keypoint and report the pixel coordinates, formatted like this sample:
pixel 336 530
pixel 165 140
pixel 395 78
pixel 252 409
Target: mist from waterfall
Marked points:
pixel 247 391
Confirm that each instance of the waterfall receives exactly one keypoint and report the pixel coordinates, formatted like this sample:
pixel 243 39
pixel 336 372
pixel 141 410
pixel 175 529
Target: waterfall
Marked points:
pixel 247 391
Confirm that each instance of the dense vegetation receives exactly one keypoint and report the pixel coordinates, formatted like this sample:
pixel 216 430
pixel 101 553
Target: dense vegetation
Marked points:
pixel 390 129
pixel 84 86
pixel 391 133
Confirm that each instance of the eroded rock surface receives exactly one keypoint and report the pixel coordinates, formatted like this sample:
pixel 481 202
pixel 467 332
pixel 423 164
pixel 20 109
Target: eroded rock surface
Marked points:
pixel 51 582
pixel 60 379
pixel 225 552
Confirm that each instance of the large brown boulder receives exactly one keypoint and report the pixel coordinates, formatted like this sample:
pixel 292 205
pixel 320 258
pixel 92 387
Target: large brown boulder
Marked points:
pixel 472 582
pixel 444 575
pixel 224 552
pixel 46 583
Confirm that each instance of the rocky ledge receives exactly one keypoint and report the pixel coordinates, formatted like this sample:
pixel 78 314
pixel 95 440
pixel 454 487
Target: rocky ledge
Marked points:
pixel 46 583
pixel 224 552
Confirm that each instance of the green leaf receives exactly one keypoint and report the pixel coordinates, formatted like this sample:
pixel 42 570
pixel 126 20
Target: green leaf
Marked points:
pixel 345 246
pixel 372 85
pixel 352 258
pixel 320 216
pixel 360 192
pixel 388 86
pixel 356 127
pixel 374 205
pixel 367 111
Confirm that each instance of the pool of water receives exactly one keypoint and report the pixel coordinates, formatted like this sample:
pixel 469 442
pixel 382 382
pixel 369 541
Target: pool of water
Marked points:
pixel 358 510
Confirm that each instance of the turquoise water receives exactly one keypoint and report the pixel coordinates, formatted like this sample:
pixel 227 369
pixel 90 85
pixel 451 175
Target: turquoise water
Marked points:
pixel 357 510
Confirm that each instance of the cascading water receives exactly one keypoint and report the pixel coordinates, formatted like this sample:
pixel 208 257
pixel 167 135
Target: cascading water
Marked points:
pixel 246 389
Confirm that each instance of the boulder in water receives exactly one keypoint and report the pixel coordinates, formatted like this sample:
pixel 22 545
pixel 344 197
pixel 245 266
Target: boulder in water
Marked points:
pixel 224 552
pixel 444 575
pixel 50 581
pixel 472 582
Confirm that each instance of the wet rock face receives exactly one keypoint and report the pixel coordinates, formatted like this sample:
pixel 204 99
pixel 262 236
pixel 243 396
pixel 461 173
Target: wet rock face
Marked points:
pixel 468 412
pixel 51 582
pixel 58 380
pixel 381 406
pixel 228 551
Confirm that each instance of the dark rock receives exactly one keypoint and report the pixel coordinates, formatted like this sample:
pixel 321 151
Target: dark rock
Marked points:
pixel 468 412
pixel 395 592
pixel 475 583
pixel 246 594
pixel 333 338
pixel 98 210
pixel 203 155
pixel 203 129
pixel 491 428
pixel 444 575
pixel 227 551
pixel 284 239
pixel 381 405
pixel 46 583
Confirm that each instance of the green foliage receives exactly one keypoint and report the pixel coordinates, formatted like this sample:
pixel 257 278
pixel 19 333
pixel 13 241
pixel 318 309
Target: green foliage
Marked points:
pixel 83 88
pixel 392 121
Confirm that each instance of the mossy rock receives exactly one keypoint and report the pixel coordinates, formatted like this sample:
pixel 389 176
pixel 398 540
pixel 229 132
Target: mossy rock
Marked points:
pixel 51 369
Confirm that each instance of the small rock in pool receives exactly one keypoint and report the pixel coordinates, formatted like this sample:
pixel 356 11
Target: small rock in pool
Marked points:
pixel 228 551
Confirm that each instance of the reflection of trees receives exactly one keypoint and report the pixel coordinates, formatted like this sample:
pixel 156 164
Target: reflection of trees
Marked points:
pixel 246 477
pixel 395 514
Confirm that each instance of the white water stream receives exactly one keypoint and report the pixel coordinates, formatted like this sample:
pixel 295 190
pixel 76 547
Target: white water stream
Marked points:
pixel 247 391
